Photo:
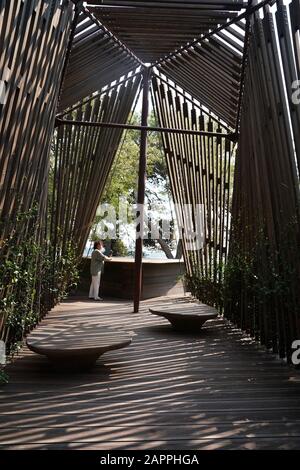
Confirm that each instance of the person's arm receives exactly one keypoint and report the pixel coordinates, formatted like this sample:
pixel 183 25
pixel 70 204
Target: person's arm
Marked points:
pixel 103 257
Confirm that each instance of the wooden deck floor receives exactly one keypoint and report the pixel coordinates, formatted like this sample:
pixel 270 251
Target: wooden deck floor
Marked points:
pixel 216 390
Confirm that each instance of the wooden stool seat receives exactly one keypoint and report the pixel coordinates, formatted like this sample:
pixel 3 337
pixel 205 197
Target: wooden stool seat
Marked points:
pixel 185 316
pixel 76 347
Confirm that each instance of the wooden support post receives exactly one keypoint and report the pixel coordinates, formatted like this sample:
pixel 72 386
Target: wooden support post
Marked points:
pixel 77 9
pixel 141 192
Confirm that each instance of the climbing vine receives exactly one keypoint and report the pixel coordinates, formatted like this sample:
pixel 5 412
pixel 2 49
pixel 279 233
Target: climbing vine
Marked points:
pixel 204 288
pixel 257 287
pixel 3 377
pixel 33 278
pixel 260 286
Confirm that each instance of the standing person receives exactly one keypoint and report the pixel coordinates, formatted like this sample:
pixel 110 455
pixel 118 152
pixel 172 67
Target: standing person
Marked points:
pixel 97 263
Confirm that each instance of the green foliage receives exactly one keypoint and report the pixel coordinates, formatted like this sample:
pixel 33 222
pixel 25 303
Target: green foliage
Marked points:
pixel 3 377
pixel 19 282
pixel 32 279
pixel 124 174
pixel 205 289
pixel 156 162
pixel 262 270
pixel 94 237
pixel 118 248
pixel 62 268
pixel 123 179
pixel 259 286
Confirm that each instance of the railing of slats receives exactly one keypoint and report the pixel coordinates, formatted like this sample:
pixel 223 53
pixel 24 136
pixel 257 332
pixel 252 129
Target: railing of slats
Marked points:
pixel 34 38
pixel 96 59
pixel 210 71
pixel 83 157
pixel 264 254
pixel 201 173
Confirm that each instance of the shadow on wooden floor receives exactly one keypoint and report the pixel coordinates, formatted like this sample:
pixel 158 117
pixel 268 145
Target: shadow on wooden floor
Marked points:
pixel 213 390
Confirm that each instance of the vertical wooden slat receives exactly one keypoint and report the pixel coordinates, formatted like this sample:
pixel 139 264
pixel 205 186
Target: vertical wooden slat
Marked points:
pixel 33 36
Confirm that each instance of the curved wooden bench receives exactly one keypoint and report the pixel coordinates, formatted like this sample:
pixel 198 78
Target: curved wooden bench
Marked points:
pixel 76 347
pixel 185 316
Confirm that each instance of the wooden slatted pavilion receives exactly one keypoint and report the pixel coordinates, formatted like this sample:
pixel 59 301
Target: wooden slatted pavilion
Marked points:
pixel 211 15
pixel 34 40
pixel 221 74
pixel 96 59
pixel 139 23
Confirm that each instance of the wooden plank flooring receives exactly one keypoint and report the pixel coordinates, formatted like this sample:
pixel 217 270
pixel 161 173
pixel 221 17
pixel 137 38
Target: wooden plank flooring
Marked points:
pixel 167 390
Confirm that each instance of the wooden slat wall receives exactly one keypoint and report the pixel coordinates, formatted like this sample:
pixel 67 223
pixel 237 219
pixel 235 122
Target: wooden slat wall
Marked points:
pixel 34 36
pixel 96 60
pixel 83 159
pixel 200 170
pixel 140 24
pixel 265 231
pixel 211 71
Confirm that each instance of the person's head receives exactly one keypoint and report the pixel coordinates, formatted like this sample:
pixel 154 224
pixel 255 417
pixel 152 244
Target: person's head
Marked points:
pixel 98 245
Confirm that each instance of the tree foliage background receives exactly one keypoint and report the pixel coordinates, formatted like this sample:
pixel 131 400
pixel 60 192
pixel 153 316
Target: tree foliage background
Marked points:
pixel 123 180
